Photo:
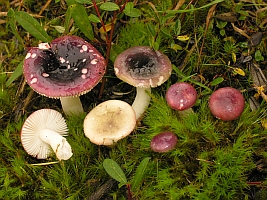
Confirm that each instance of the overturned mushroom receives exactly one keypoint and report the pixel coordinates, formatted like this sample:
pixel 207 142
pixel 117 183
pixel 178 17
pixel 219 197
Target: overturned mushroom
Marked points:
pixel 109 122
pixel 44 129
pixel 67 69
pixel 143 68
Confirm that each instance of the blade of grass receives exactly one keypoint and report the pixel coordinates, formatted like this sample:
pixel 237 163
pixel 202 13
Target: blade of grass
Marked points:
pixel 191 10
pixel 81 19
pixel 139 173
pixel 12 24
pixel 17 73
pixel 32 26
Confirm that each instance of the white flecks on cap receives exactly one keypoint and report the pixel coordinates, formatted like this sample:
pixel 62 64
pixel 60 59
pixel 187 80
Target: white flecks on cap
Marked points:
pixel 91 50
pixel 34 80
pixel 94 61
pixel 45 75
pixel 62 60
pixel 28 55
pixel 83 76
pixel 84 47
pixel 33 55
pixel 161 80
pixel 116 70
pixel 44 46
pixel 84 71
pixel 84 60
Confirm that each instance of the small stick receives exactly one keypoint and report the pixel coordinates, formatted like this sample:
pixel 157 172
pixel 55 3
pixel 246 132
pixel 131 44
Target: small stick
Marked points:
pixel 44 7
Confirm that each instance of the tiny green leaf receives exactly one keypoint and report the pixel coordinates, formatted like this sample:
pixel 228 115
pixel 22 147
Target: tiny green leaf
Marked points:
pixel 135 182
pixel 17 73
pixel 32 26
pixel 114 170
pixel 177 27
pixel 109 6
pixel 67 19
pixel 12 24
pixel 217 81
pixel 130 11
pixel 94 18
pixel 80 17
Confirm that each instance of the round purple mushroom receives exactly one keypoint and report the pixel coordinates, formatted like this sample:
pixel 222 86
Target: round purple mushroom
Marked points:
pixel 181 96
pixel 226 103
pixel 163 142
pixel 68 67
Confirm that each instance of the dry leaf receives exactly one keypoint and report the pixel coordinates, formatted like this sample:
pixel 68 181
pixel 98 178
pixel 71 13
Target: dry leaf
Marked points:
pixel 227 17
pixel 257 76
pixel 255 39
pixel 107 27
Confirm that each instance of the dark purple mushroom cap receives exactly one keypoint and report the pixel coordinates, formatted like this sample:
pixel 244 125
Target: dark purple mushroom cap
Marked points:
pixel 181 96
pixel 142 66
pixel 163 142
pixel 70 67
pixel 226 103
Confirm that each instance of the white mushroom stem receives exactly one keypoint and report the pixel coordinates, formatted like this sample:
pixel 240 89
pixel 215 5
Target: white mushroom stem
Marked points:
pixel 71 105
pixel 58 143
pixel 141 101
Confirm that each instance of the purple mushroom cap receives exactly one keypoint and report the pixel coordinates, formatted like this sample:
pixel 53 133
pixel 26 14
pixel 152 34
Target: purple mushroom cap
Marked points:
pixel 181 96
pixel 141 66
pixel 163 142
pixel 69 66
pixel 226 103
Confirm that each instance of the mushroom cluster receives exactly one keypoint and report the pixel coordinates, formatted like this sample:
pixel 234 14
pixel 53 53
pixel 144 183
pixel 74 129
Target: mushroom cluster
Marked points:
pixel 65 69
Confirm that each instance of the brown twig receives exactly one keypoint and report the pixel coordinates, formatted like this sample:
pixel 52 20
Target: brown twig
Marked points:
pixel 44 7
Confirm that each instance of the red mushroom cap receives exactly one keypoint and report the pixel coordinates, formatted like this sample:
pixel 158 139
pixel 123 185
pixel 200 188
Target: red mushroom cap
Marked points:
pixel 181 96
pixel 70 67
pixel 163 142
pixel 226 103
pixel 142 66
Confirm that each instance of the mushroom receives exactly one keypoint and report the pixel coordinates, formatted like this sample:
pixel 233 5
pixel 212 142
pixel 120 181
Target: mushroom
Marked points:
pixel 163 142
pixel 143 68
pixel 109 122
pixel 181 97
pixel 44 129
pixel 226 103
pixel 67 69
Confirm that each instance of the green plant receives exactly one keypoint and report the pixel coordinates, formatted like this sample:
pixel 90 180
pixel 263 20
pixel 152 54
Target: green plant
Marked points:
pixel 115 171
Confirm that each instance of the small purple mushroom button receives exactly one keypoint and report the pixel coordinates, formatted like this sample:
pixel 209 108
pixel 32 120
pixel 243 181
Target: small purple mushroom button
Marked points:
pixel 163 142
pixel 181 96
pixel 226 103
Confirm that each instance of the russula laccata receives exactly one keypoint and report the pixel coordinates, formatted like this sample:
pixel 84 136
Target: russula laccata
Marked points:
pixel 65 69
pixel 163 142
pixel 181 97
pixel 109 122
pixel 42 131
pixel 226 103
pixel 143 68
